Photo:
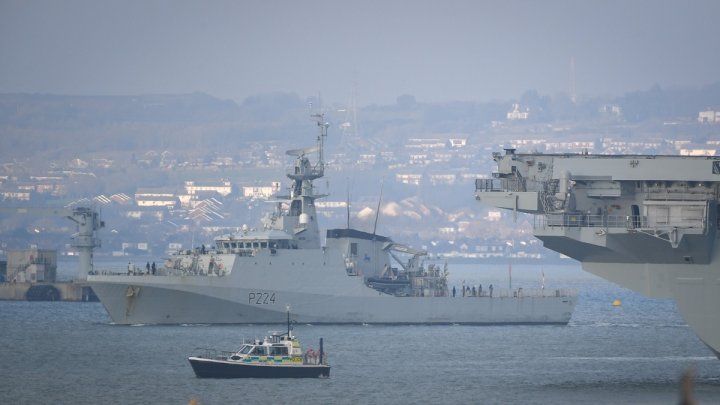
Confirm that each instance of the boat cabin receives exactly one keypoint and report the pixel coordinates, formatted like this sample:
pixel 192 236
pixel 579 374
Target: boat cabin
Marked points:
pixel 276 348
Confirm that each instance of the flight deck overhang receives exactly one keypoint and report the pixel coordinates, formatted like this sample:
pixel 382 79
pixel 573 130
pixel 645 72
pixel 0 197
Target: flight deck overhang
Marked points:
pixel 609 239
pixel 521 201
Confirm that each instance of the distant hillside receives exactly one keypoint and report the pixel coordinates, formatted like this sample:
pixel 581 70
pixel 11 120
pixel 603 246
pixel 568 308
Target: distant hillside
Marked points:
pixel 74 112
pixel 66 112
pixel 668 104
pixel 67 125
pixel 30 123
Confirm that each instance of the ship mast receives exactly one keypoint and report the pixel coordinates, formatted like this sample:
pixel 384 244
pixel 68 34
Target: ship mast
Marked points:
pixel 320 118
pixel 301 221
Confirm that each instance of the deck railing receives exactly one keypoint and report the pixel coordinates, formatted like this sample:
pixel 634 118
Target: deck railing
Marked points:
pixel 499 185
pixel 638 222
pixel 160 272
pixel 519 293
pixel 590 221
pixel 214 354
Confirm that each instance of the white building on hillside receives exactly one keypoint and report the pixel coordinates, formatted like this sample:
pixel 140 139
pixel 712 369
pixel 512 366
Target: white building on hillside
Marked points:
pixel 517 114
pixel 261 191
pixel 222 187
pixel 709 116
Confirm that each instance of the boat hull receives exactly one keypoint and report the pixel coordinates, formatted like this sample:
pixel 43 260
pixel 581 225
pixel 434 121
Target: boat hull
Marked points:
pixel 316 285
pixel 210 368
pixel 158 301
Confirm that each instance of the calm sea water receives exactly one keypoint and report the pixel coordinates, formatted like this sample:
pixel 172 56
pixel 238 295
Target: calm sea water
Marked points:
pixel 70 353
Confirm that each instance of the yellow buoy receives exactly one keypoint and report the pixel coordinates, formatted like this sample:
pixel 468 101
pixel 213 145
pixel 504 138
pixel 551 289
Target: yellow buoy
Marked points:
pixel 617 303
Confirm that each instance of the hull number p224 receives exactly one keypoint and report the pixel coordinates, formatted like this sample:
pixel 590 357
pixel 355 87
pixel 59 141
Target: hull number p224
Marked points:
pixel 261 298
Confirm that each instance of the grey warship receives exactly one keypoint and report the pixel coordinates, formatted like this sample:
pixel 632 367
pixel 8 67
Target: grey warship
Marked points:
pixel 356 277
pixel 648 223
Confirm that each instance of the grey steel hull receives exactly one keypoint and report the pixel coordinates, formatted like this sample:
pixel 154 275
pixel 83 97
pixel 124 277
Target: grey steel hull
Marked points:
pixel 163 304
pixel 314 283
pixel 695 287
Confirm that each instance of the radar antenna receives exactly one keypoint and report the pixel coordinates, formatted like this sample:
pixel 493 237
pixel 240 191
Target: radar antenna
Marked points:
pixel 323 125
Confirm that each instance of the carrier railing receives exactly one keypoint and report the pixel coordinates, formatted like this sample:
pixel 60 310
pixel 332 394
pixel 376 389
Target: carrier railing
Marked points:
pixel 505 184
pixel 639 222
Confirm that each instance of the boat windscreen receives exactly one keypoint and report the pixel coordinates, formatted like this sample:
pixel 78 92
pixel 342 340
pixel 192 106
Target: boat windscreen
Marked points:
pixel 245 349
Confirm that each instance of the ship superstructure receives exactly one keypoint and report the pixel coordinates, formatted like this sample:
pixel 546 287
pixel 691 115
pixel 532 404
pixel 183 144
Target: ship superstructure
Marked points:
pixel 250 276
pixel 648 223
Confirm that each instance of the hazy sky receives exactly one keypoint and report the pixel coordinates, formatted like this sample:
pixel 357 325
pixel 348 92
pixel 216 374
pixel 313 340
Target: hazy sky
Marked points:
pixel 435 50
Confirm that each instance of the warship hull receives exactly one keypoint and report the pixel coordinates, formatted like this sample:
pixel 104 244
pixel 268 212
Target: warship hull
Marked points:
pixel 159 305
pixel 694 289
pixel 198 300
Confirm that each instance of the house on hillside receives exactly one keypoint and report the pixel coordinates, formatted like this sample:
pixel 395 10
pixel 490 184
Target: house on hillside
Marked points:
pixel 517 114
pixel 263 192
pixel 222 187
pixel 155 197
pixel 457 142
pixel 15 194
pixel 413 179
pixel 709 116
